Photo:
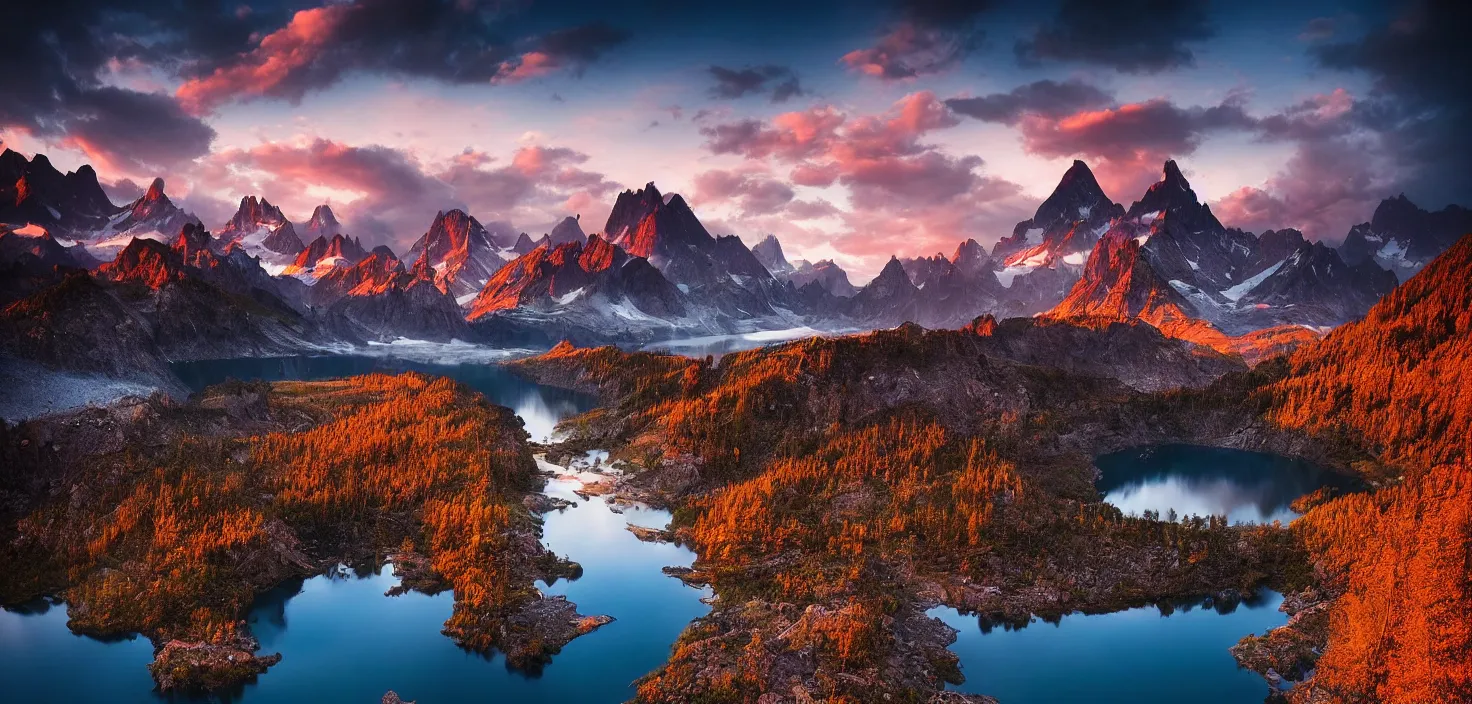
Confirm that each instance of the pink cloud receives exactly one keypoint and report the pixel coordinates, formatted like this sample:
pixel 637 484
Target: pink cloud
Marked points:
pixel 271 66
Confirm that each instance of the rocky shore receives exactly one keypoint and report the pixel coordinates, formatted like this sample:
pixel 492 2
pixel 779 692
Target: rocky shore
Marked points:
pixel 59 468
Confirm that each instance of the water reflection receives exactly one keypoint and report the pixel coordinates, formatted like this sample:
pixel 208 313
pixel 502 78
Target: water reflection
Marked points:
pixel 1191 480
pixel 540 407
pixel 1174 652
pixel 342 622
pixel 42 661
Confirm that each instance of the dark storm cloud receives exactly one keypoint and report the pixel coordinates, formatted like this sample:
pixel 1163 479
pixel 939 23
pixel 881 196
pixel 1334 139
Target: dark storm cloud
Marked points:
pixel 778 81
pixel 1133 36
pixel 1421 102
pixel 449 40
pixel 1047 98
pixel 52 60
pixel 929 36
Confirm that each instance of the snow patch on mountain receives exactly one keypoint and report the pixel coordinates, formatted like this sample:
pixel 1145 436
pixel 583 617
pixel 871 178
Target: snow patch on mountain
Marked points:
pixel 1236 293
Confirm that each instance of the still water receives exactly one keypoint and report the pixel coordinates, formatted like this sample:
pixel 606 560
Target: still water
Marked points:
pixel 342 640
pixel 1243 486
pixel 1128 657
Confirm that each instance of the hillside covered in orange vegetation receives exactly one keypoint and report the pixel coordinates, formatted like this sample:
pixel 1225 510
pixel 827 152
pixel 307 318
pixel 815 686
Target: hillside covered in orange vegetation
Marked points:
pixel 1399 383
pixel 182 515
pixel 834 487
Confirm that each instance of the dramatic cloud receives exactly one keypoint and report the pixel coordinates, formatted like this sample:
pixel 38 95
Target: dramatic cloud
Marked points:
pixel 1046 98
pixel 439 39
pixel 570 49
pixel 930 36
pixel 1126 145
pixel 793 135
pixel 1325 188
pixel 1134 36
pixel 1421 103
pixel 752 193
pixel 904 195
pixel 778 81
pixel 53 59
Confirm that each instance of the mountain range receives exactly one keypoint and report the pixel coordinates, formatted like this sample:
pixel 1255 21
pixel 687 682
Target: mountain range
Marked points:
pixel 654 272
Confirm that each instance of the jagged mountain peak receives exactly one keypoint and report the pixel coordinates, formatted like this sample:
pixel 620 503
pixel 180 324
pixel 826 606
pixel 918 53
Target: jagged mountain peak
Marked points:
pixel 769 253
pixel 894 270
pixel 569 229
pixel 324 222
pixel 630 208
pixel 461 252
pixel 155 191
pixel 1171 193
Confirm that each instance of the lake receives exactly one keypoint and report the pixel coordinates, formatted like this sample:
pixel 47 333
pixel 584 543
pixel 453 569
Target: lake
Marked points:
pixel 1243 486
pixel 1129 657
pixel 342 640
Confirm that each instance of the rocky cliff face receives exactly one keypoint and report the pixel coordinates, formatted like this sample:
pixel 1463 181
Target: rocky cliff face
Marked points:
pixel 1042 258
pixel 35 192
pixel 263 232
pixel 629 209
pixel 1403 238
pixel 461 254
pixel 324 254
pixel 769 253
pixel 152 214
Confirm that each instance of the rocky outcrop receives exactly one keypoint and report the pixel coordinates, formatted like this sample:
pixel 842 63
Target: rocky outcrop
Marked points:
pixel 35 192
pixel 325 254
pixel 769 253
pixel 460 252
pixel 263 232
pixel 194 667
pixel 1403 238
pixel 151 213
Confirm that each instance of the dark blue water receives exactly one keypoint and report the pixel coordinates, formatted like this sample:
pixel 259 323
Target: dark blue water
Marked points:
pixel 1136 656
pixel 342 640
pixel 540 407
pixel 1243 486
pixel 344 624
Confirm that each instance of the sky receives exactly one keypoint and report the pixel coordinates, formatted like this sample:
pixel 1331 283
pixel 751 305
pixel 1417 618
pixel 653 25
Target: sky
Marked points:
pixel 851 130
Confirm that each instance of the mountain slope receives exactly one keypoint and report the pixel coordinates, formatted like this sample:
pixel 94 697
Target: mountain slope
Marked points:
pixel 460 252
pixel 1399 384
pixel 592 292
pixel 1041 259
pixel 1402 237
pixel 263 232
pixel 33 191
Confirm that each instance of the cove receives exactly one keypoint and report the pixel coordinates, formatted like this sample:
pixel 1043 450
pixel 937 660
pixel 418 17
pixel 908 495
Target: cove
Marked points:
pixel 1244 486
pixel 1132 656
pixel 342 639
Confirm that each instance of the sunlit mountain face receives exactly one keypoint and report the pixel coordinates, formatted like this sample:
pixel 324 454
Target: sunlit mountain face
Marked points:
pixel 676 352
